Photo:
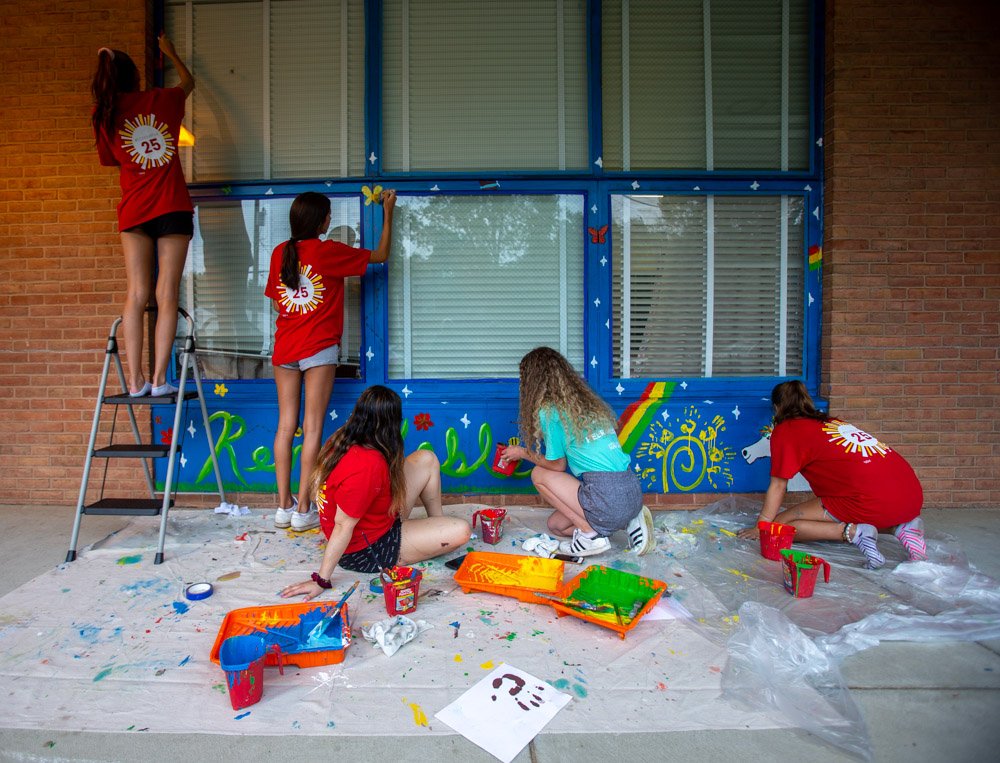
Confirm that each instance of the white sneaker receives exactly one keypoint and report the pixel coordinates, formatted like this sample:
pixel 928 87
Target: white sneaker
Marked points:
pixel 641 537
pixel 581 545
pixel 283 517
pixel 302 522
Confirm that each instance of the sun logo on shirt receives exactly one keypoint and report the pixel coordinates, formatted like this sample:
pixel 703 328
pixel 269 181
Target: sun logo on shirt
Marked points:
pixel 147 141
pixel 321 499
pixel 307 296
pixel 853 440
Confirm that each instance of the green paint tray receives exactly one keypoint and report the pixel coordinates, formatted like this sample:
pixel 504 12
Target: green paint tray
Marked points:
pixel 626 597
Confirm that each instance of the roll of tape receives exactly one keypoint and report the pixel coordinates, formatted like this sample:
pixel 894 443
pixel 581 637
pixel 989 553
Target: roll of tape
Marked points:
pixel 198 591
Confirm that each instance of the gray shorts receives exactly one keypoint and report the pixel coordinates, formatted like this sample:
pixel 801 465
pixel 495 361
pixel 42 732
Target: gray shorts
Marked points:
pixel 610 500
pixel 328 357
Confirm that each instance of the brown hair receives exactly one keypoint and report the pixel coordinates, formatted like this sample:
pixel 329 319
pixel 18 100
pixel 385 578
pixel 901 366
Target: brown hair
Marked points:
pixel 116 74
pixel 374 423
pixel 548 379
pixel 791 401
pixel 307 215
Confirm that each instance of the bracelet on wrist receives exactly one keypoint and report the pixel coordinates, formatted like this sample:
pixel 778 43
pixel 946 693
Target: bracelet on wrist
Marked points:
pixel 321 582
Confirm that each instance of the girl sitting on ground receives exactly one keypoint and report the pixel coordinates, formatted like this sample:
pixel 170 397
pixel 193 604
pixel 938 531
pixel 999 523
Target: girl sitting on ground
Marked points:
pixel 862 486
pixel 601 494
pixel 365 490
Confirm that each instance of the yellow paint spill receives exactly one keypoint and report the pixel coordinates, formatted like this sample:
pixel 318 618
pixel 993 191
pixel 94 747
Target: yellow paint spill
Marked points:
pixel 419 716
pixel 488 665
pixel 739 574
pixel 458 658
pixel 698 522
pixel 724 531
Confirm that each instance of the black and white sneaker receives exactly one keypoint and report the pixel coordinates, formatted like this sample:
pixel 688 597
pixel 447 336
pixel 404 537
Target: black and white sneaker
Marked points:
pixel 641 537
pixel 581 545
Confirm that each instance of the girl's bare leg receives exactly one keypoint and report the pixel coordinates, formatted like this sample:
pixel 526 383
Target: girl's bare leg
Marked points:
pixel 561 490
pixel 171 253
pixel 289 386
pixel 319 386
pixel 139 251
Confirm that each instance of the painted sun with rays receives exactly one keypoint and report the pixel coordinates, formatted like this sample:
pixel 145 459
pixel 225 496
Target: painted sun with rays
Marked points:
pixel 307 296
pixel 147 141
pixel 852 439
pixel 321 498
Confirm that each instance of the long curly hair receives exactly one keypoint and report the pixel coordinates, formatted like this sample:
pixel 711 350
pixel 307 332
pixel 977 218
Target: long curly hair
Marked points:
pixel 548 379
pixel 791 400
pixel 116 74
pixel 374 423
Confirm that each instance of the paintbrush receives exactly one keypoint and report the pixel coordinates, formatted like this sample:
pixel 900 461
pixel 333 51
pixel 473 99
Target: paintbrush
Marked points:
pixel 329 617
pixel 269 631
pixel 577 603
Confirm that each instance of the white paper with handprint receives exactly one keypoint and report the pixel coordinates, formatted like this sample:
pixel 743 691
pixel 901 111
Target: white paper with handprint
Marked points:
pixel 504 711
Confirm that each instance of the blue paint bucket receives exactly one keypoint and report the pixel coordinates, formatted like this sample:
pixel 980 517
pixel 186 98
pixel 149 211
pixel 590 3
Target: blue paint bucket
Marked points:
pixel 242 657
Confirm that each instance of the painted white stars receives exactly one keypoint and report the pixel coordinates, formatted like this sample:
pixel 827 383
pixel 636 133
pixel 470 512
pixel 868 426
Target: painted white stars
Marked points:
pixel 665 415
pixel 269 192
pixel 191 429
pixel 184 461
pixel 684 385
pixel 369 354
pixel 594 209
pixel 820 142
pixel 607 324
pixel 816 213
pixel 435 187
pixel 333 415
pixel 603 261
pixel 593 362
pixel 599 161
pixel 755 185
pixel 406 391
pixel 736 413
pixel 635 185
pixel 708 402
pixel 597 302
pixel 808 187
pixel 696 188
pixel 619 389
pixel 328 183
pixel 811 300
pixel 465 420
pixel 372 158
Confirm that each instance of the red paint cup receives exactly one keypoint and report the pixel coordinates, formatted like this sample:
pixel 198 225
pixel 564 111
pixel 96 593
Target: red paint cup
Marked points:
pixel 801 570
pixel 502 466
pixel 774 537
pixel 492 522
pixel 242 657
pixel 401 590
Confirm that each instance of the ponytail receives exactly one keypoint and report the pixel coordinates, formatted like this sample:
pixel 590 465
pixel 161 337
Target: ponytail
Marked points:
pixel 116 74
pixel 290 265
pixel 307 219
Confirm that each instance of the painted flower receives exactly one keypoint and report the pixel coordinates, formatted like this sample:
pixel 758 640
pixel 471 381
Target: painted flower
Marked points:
pixel 423 421
pixel 221 390
pixel 166 436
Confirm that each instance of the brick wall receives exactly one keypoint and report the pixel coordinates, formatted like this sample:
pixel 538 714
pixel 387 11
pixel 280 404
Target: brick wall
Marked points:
pixel 63 275
pixel 912 226
pixel 911 257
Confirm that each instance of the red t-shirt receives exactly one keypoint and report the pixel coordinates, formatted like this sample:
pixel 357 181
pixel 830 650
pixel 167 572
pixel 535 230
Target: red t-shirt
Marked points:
pixel 857 478
pixel 311 318
pixel 358 486
pixel 144 144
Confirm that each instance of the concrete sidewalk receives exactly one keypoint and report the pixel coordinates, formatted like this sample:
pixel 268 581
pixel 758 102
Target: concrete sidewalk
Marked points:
pixel 922 702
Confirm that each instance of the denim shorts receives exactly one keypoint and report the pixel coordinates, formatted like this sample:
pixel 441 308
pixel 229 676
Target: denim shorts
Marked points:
pixel 384 551
pixel 610 500
pixel 327 357
pixel 170 224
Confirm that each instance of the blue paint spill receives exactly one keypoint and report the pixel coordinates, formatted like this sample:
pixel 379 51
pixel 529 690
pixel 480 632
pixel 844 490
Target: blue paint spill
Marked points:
pixel 89 633
pixel 331 725
pixel 184 662
pixel 180 607
pixel 241 716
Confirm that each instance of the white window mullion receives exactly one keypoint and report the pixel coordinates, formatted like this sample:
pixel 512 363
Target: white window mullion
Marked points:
pixel 563 281
pixel 626 141
pixel 189 112
pixel 407 307
pixel 783 291
pixel 707 46
pixel 561 85
pixel 344 47
pixel 626 318
pixel 709 283
pixel 785 43
pixel 266 80
pixel 404 106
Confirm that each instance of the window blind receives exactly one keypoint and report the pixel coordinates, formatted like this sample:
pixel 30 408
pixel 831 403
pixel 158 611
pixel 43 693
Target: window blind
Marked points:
pixel 483 85
pixel 475 283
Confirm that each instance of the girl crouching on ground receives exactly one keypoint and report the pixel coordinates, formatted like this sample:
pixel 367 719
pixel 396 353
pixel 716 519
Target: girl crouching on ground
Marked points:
pixel 862 486
pixel 601 494
pixel 365 490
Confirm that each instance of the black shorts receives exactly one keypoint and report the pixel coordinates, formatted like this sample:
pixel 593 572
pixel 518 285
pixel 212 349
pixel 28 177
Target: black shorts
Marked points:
pixel 384 552
pixel 170 224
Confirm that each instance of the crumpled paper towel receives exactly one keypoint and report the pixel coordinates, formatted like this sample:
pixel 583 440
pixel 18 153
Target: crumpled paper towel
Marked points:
pixel 232 509
pixel 541 544
pixel 391 634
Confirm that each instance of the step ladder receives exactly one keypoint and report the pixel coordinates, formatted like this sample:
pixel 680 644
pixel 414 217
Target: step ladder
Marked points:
pixel 151 506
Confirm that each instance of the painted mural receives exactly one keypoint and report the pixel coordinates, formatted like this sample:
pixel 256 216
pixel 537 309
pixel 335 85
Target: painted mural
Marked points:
pixel 678 444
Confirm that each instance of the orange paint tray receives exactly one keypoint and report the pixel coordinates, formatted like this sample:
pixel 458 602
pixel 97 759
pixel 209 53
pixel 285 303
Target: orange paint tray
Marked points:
pixel 510 575
pixel 620 592
pixel 287 626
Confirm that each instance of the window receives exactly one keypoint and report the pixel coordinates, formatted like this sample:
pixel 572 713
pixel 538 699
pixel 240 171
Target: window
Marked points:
pixel 496 86
pixel 225 275
pixel 705 84
pixel 707 286
pixel 280 87
pixel 461 265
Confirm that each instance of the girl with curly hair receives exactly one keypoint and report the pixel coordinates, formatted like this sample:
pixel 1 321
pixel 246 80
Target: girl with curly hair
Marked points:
pixel 600 494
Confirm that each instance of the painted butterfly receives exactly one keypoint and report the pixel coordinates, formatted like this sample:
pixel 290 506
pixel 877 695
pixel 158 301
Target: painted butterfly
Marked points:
pixel 372 195
pixel 597 235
